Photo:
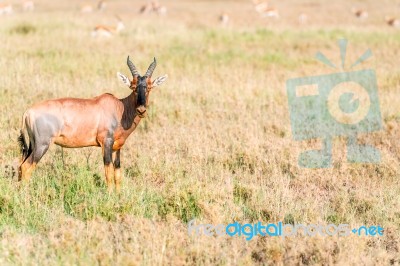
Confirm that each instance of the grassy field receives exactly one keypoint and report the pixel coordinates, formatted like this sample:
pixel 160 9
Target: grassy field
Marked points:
pixel 216 145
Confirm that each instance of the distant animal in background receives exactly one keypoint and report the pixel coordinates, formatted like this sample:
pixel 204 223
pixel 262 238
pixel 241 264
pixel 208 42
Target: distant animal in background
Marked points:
pixel 158 8
pixel 86 9
pixel 153 7
pixel 265 10
pixel 108 31
pixel 260 6
pixel 224 19
pixel 146 8
pixel 393 22
pixel 303 18
pixel 101 5
pixel 6 9
pixel 360 13
pixel 28 6
pixel 271 13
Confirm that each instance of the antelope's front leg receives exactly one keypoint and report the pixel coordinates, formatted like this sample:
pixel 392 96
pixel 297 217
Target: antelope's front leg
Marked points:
pixel 117 170
pixel 107 159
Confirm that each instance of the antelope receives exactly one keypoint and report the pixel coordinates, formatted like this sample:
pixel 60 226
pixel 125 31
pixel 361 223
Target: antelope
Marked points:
pixel 159 9
pixel 265 11
pixel 153 6
pixel 6 9
pixel 359 13
pixel 393 22
pixel 86 9
pixel 89 8
pixel 260 6
pixel 146 8
pixel 101 5
pixel 104 121
pixel 224 19
pixel 108 31
pixel 303 18
pixel 28 5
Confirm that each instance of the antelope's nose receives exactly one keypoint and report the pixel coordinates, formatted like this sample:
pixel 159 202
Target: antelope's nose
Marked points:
pixel 141 110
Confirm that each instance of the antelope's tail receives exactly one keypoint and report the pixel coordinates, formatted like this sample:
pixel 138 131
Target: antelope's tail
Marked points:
pixel 24 142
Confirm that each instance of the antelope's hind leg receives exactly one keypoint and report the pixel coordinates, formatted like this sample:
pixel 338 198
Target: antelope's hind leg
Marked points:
pixel 26 168
pixel 40 131
pixel 30 163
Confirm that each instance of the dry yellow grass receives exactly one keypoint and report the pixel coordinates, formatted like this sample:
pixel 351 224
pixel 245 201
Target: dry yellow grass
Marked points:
pixel 216 145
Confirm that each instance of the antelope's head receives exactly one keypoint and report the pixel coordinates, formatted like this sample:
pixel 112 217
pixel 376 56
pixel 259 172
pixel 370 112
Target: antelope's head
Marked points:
pixel 141 85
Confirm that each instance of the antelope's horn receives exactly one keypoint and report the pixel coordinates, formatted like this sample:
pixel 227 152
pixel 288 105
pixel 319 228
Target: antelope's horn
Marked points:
pixel 151 68
pixel 132 68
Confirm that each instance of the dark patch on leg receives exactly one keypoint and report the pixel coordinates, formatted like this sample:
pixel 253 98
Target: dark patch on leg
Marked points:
pixel 107 156
pixel 117 171
pixel 39 151
pixel 117 162
pixel 107 159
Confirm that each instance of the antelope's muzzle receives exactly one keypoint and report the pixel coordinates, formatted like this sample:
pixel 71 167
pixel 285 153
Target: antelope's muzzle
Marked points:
pixel 141 111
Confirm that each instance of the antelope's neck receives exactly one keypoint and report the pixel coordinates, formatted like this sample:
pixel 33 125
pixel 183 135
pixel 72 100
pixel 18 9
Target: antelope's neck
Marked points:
pixel 129 119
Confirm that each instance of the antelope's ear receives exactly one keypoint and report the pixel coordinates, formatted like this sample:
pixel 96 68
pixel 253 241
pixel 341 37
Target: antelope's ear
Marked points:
pixel 124 79
pixel 158 81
